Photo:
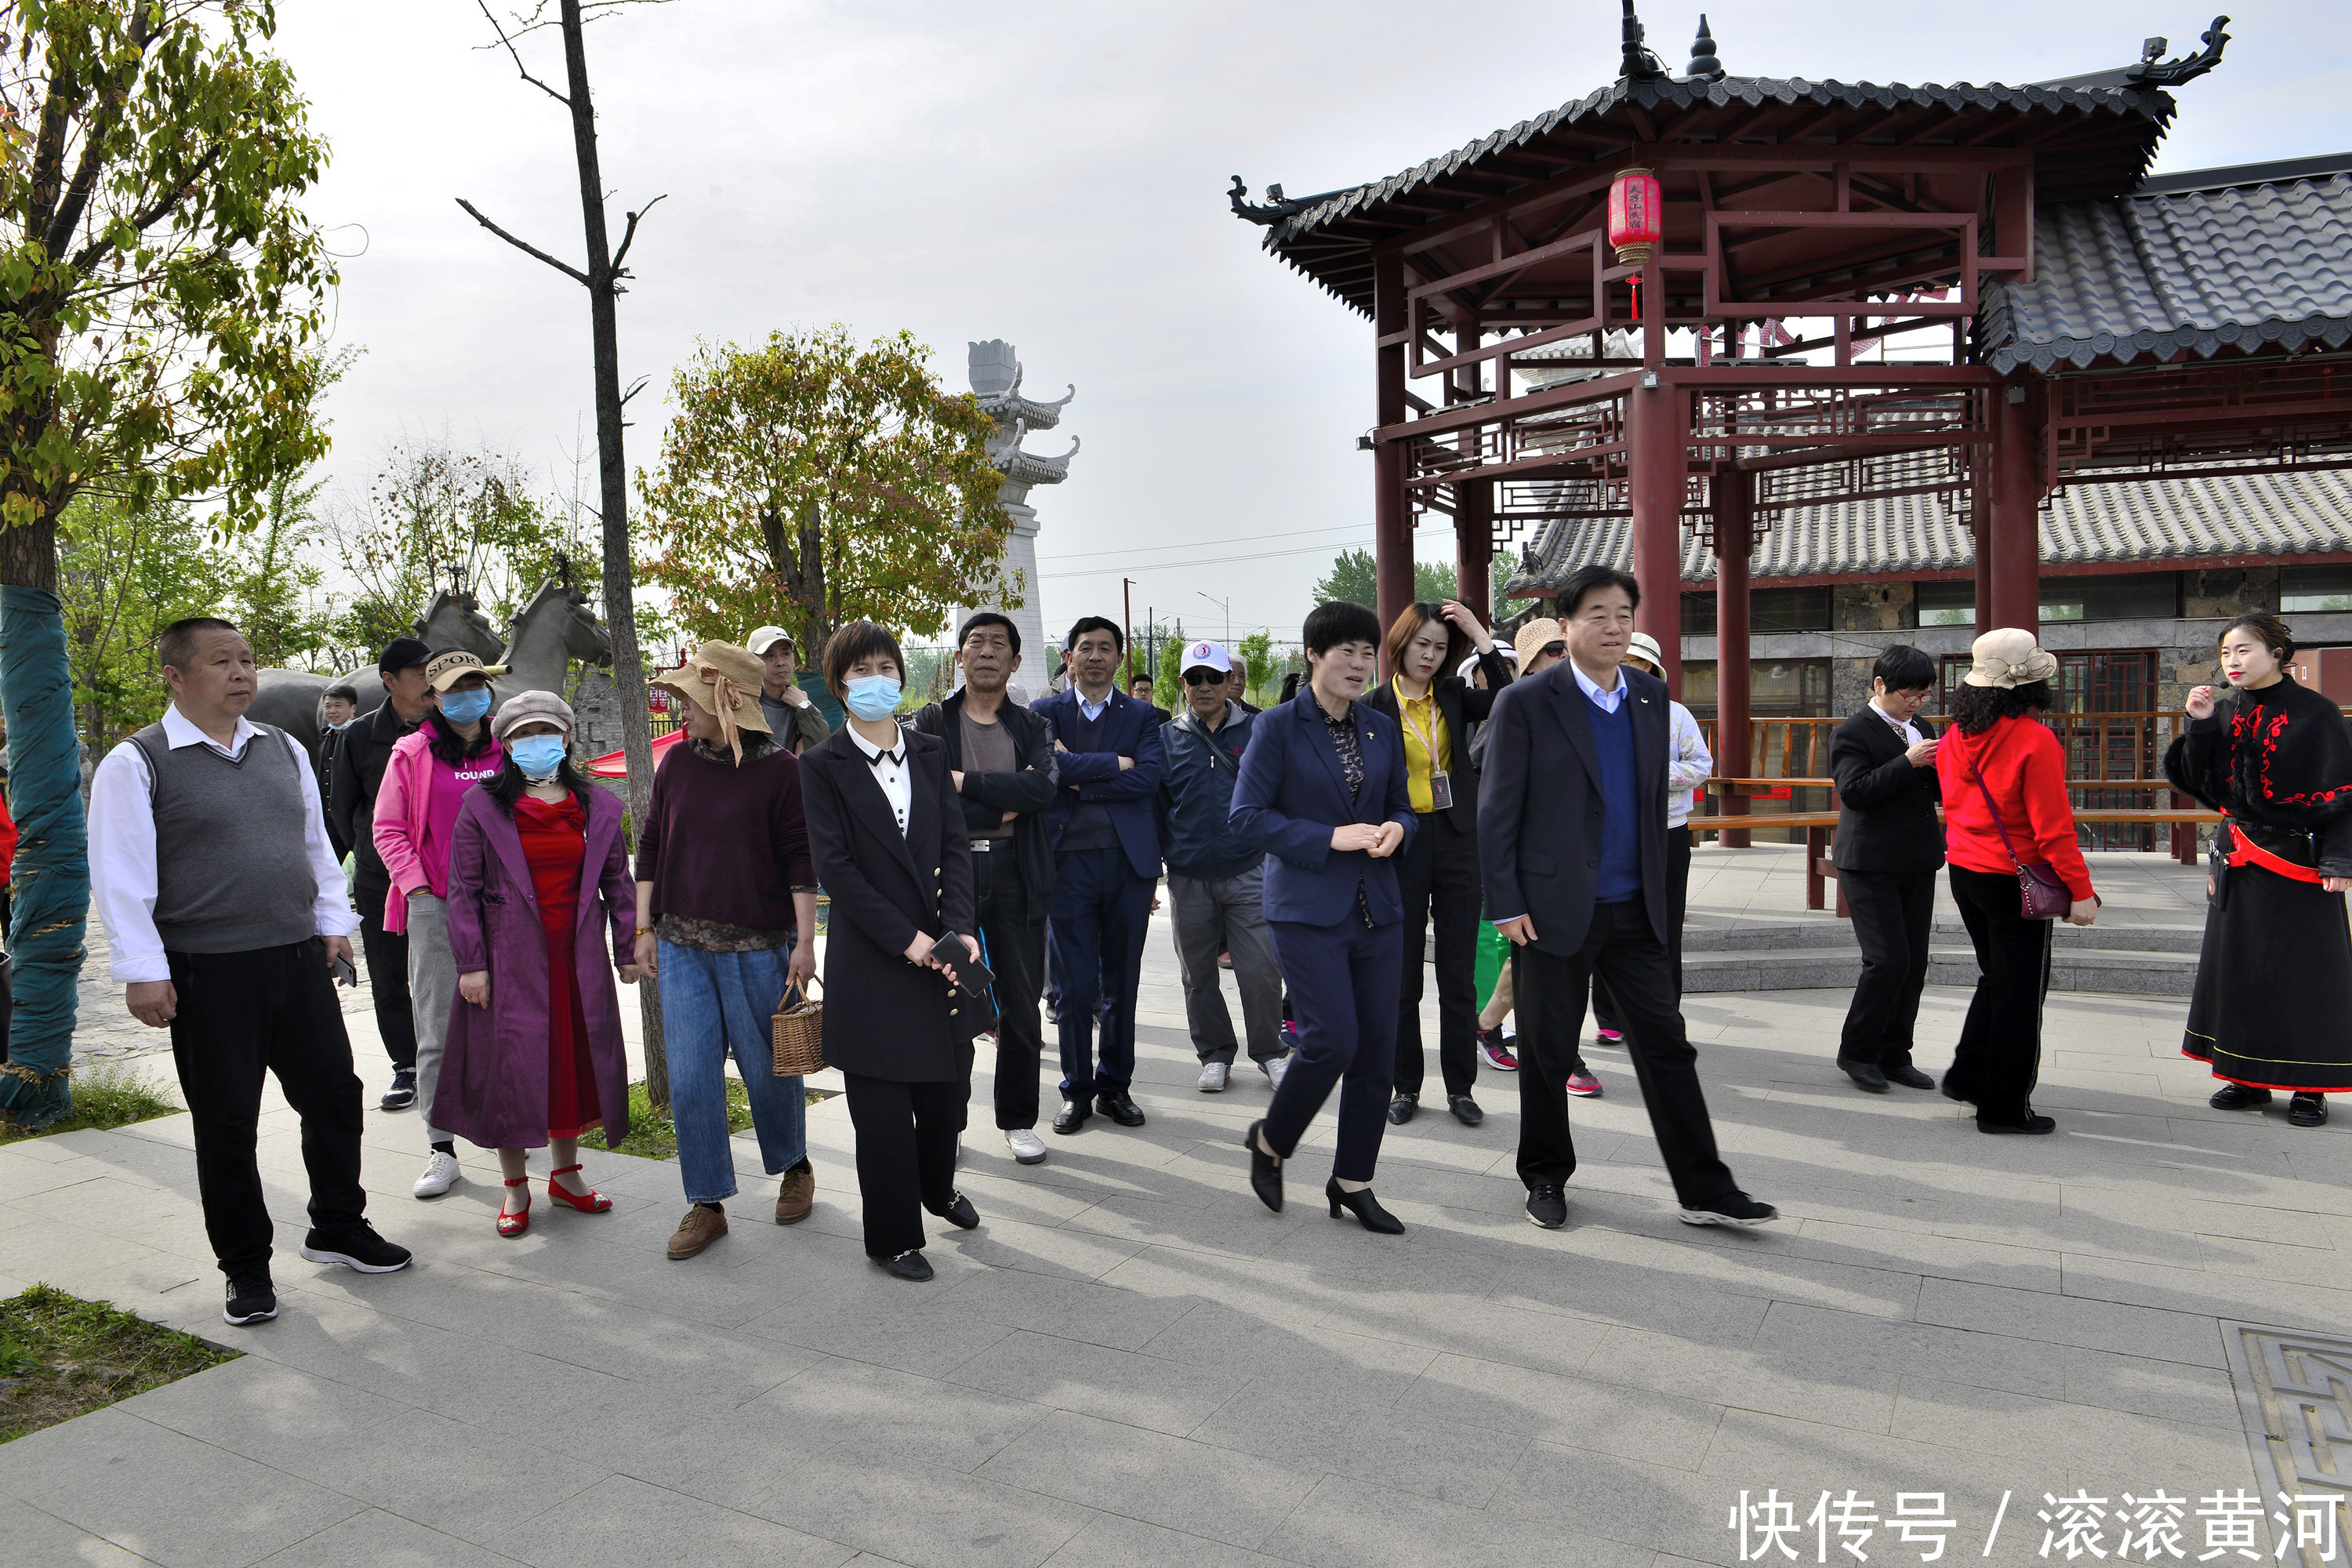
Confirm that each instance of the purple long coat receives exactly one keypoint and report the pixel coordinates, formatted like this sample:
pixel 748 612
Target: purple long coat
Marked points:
pixel 493 1088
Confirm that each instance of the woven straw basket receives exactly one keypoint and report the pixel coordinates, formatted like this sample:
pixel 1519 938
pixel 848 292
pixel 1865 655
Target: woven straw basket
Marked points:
pixel 799 1035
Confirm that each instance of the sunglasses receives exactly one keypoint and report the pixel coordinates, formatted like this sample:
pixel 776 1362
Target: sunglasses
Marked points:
pixel 1203 677
pixel 1552 651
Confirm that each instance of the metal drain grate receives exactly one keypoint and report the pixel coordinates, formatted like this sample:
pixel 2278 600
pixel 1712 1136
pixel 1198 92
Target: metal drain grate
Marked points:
pixel 2295 1393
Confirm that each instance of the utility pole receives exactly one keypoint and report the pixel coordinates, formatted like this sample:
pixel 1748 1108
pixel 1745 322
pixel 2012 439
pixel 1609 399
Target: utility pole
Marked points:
pixel 1126 620
pixel 1228 606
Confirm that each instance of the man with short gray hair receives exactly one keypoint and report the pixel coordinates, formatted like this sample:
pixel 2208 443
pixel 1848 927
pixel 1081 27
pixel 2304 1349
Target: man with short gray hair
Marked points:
pixel 224 909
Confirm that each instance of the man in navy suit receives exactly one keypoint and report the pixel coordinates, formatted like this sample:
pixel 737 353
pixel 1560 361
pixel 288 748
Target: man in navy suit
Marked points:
pixel 1572 846
pixel 1105 838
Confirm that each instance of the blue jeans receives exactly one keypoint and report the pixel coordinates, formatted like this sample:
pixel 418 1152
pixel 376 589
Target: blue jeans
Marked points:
pixel 712 1003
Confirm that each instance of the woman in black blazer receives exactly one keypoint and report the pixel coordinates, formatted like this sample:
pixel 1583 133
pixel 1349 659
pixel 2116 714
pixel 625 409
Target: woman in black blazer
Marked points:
pixel 886 833
pixel 1439 871
pixel 1889 845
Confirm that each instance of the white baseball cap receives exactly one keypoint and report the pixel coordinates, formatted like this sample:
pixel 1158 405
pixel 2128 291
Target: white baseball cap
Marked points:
pixel 762 638
pixel 1207 656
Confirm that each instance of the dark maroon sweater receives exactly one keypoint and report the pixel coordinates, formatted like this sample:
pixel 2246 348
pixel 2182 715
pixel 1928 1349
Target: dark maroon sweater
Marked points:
pixel 726 842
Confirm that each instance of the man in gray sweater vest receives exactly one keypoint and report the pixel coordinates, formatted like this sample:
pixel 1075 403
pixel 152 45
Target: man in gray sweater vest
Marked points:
pixel 224 909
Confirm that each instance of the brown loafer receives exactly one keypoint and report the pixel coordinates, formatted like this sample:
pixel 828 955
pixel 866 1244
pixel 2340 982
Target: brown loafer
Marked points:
pixel 698 1229
pixel 797 1195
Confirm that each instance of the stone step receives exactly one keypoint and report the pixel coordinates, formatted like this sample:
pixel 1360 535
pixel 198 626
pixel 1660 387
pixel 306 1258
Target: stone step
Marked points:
pixel 1831 932
pixel 2142 972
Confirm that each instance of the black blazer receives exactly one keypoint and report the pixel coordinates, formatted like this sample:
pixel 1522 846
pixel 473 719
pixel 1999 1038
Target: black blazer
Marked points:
pixel 1887 807
pixel 883 1017
pixel 1462 705
pixel 1539 805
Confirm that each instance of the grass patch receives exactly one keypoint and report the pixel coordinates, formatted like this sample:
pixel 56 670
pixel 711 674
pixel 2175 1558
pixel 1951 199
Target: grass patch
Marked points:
pixel 61 1357
pixel 113 1094
pixel 653 1136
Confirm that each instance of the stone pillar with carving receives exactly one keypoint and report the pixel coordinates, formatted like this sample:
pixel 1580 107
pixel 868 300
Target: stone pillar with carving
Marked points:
pixel 996 380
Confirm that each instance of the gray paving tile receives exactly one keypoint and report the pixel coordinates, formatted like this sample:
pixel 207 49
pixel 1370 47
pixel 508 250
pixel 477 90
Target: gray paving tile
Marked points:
pixel 2054 1435
pixel 1169 1481
pixel 1113 1541
pixel 1347 1523
pixel 2071 1319
pixel 1636 1298
pixel 265 1411
pixel 918 1514
pixel 1140 1390
pixel 130 1483
pixel 1379 1442
pixel 36 1537
pixel 1102 1314
pixel 1813 1388
pixel 452 1477
pixel 879 1408
pixel 1637 1424
pixel 621 1522
pixel 374 1538
pixel 1351 1367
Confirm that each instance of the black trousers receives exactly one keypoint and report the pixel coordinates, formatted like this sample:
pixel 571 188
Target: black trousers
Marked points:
pixel 1014 928
pixel 1438 877
pixel 1343 982
pixel 1893 916
pixel 1549 989
pixel 905 1153
pixel 1998 1059
pixel 387 973
pixel 242 1015
pixel 1101 913
pixel 1678 861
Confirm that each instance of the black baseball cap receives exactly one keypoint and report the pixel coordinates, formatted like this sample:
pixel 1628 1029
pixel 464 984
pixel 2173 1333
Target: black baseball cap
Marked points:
pixel 402 652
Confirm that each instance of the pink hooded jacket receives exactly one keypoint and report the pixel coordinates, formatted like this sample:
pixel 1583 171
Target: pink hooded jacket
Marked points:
pixel 402 803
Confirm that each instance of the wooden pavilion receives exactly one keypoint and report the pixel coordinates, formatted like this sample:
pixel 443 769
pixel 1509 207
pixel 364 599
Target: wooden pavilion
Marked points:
pixel 1792 228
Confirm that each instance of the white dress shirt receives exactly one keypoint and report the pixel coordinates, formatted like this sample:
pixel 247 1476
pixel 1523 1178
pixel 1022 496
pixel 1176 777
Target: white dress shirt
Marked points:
pixel 1607 702
pixel 1092 710
pixel 1911 736
pixel 122 876
pixel 890 773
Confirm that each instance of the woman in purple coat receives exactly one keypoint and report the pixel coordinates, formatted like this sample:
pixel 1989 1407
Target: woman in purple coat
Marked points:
pixel 537 876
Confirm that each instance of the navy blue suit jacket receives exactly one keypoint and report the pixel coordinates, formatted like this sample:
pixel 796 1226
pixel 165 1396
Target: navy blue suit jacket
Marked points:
pixel 1540 810
pixel 1292 794
pixel 1129 729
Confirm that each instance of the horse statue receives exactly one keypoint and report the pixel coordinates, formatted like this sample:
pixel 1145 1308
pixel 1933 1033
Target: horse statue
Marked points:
pixel 556 627
pixel 292 699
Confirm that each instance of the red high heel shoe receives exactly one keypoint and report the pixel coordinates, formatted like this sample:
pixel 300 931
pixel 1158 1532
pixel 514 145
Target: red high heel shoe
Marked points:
pixel 594 1203
pixel 514 1225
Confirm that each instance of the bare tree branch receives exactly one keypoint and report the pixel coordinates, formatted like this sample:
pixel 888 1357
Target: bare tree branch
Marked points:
pixel 629 235
pixel 537 19
pixel 639 386
pixel 535 81
pixel 563 266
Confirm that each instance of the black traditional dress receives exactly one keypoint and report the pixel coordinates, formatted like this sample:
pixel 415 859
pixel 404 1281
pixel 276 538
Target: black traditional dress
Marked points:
pixel 2273 1008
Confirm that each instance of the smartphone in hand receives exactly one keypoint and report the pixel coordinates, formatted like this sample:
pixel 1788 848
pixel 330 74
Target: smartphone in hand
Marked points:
pixel 344 972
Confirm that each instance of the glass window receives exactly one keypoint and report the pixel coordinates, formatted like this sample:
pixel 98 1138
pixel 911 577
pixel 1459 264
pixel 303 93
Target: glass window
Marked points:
pixel 1776 688
pixel 1698 615
pixel 2120 596
pixel 1947 604
pixel 2315 589
pixel 1789 609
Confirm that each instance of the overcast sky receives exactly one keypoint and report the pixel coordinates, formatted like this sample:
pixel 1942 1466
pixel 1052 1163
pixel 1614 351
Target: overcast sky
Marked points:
pixel 1053 174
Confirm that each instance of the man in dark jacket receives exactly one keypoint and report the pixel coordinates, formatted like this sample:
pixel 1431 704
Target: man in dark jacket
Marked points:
pixel 1000 761
pixel 1216 886
pixel 1889 846
pixel 358 772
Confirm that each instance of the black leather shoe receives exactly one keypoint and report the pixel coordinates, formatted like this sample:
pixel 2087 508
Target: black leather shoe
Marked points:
pixel 1908 1077
pixel 1364 1207
pixel 1466 1110
pixel 908 1266
pixel 1402 1108
pixel 1865 1075
pixel 2239 1097
pixel 2307 1110
pixel 1120 1106
pixel 2022 1120
pixel 1547 1206
pixel 960 1214
pixel 1266 1171
pixel 1073 1115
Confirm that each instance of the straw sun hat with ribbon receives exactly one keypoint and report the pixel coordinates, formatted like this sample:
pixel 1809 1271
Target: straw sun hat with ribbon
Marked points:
pixel 724 681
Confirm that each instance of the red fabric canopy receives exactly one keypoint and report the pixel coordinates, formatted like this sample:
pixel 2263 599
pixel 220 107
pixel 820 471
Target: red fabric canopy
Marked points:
pixel 616 764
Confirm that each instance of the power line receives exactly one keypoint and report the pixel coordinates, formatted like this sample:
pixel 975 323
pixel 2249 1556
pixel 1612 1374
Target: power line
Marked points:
pixel 1200 543
pixel 1182 566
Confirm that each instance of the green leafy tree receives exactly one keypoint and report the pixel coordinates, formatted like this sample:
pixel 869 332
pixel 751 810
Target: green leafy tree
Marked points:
pixel 1256 651
pixel 162 295
pixel 1168 681
pixel 1355 576
pixel 271 579
pixel 811 482
pixel 125 574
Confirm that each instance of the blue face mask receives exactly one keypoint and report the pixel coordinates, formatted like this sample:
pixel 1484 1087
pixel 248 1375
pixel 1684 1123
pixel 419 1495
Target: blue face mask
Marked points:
pixel 465 707
pixel 538 756
pixel 872 697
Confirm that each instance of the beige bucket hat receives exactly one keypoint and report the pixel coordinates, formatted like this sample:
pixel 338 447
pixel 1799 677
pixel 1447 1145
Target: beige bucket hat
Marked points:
pixel 2008 657
pixel 723 679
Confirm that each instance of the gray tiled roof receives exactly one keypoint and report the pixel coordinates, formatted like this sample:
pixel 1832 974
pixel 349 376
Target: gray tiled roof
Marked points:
pixel 2171 522
pixel 2147 277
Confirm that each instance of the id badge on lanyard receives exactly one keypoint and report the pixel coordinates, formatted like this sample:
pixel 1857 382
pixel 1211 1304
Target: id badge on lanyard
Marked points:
pixel 1441 782
pixel 1441 790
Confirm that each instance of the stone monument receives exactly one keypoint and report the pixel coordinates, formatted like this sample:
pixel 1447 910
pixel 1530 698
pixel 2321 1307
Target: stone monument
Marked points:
pixel 996 380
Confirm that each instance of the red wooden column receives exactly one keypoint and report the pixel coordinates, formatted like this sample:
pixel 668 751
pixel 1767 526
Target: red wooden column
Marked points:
pixel 1981 538
pixel 1473 504
pixel 2014 557
pixel 1735 542
pixel 1657 437
pixel 1392 517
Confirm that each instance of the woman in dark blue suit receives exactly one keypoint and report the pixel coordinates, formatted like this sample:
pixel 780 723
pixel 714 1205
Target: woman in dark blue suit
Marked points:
pixel 1322 791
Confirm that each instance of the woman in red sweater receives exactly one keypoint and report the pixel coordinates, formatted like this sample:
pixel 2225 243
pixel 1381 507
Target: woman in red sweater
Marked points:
pixel 2005 807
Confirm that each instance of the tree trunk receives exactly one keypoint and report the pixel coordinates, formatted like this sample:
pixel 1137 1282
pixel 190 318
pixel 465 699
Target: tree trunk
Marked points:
pixel 50 880
pixel 620 611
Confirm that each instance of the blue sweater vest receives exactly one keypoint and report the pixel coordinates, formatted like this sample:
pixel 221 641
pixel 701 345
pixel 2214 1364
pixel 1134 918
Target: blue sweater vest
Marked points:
pixel 1621 845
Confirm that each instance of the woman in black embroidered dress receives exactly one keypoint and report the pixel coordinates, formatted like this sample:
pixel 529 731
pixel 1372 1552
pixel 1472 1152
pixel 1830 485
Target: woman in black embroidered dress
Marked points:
pixel 2273 1009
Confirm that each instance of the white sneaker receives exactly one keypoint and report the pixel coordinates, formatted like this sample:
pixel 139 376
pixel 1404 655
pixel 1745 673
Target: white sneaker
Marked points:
pixel 440 1176
pixel 1276 1067
pixel 1213 1076
pixel 1026 1146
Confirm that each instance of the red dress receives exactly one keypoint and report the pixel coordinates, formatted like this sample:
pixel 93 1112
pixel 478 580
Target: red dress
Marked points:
pixel 555 846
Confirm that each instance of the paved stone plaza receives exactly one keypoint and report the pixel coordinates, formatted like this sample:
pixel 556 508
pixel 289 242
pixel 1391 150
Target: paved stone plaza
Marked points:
pixel 1132 1362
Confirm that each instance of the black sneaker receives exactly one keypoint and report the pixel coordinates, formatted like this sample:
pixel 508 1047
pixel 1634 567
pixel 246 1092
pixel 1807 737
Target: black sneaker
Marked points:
pixel 251 1300
pixel 357 1244
pixel 1547 1206
pixel 1734 1208
pixel 402 1092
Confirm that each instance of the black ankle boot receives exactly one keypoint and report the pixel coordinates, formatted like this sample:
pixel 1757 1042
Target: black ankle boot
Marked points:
pixel 1364 1207
pixel 1266 1171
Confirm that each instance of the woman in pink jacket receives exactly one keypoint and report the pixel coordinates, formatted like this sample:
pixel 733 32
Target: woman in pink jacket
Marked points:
pixel 424 783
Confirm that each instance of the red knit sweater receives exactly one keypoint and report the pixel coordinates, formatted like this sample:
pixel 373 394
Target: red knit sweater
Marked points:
pixel 2025 769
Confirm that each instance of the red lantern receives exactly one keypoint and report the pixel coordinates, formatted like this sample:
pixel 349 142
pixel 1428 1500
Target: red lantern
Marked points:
pixel 1636 213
